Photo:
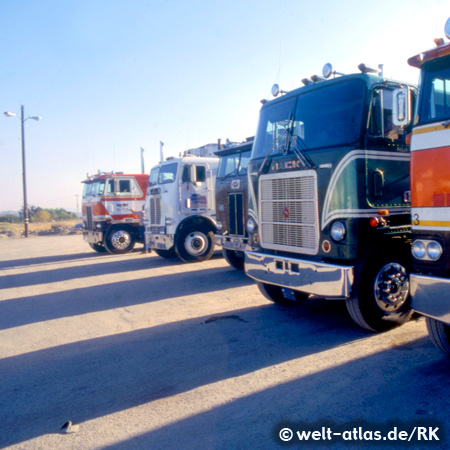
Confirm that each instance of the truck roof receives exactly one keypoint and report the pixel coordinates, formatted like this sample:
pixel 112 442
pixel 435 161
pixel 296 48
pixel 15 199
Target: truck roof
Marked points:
pixel 104 175
pixel 438 52
pixel 367 78
pixel 192 158
pixel 229 149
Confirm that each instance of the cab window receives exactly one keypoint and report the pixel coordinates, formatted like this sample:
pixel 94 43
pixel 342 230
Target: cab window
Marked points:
pixel 124 186
pixel 381 119
pixel 200 174
pixel 435 96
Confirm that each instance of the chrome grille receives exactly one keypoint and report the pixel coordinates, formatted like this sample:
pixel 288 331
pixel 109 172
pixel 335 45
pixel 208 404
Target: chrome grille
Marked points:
pixel 236 214
pixel 288 212
pixel 155 211
pixel 89 221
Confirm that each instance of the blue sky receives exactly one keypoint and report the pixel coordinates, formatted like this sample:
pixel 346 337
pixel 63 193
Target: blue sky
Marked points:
pixel 111 76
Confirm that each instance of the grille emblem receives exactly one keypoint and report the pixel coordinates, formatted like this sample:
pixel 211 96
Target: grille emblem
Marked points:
pixel 286 212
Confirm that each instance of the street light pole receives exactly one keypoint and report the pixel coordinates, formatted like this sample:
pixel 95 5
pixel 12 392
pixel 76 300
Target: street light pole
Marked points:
pixel 24 174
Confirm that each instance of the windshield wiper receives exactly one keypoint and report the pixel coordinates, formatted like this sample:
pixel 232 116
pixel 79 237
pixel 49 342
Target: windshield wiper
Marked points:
pixel 291 142
pixel 294 140
pixel 232 174
pixel 271 149
pixel 303 158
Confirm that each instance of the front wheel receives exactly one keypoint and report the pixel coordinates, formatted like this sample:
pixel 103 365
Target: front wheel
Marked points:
pixel 99 248
pixel 439 334
pixel 195 243
pixel 234 258
pixel 382 299
pixel 166 253
pixel 119 240
pixel 280 295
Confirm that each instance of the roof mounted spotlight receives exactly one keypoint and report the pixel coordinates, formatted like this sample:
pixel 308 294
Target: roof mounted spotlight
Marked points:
pixel 307 81
pixel 364 68
pixel 317 78
pixel 276 90
pixel 447 29
pixel 328 70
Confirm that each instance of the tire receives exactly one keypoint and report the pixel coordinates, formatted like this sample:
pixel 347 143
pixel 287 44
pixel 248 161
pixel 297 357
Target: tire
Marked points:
pixel 195 243
pixel 99 248
pixel 439 334
pixel 166 253
pixel 119 240
pixel 381 301
pixel 234 258
pixel 275 294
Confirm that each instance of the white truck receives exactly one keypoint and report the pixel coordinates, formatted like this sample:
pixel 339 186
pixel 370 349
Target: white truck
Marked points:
pixel 180 205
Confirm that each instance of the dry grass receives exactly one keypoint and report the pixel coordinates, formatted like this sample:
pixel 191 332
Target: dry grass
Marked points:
pixel 15 230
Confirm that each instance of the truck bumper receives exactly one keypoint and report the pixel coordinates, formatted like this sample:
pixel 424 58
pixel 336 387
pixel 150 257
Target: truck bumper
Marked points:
pixel 325 280
pixel 431 296
pixel 93 237
pixel 232 242
pixel 160 241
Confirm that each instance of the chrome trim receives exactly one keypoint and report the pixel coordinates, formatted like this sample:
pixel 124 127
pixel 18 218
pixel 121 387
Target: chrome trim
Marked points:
pixel 430 296
pixel 325 280
pixel 160 241
pixel 232 242
pixel 93 237
pixel 289 212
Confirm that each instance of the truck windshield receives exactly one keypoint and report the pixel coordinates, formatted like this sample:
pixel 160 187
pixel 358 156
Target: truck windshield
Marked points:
pixel 228 166
pixel 153 176
pixel 232 165
pixel 163 174
pixel 327 117
pixel 435 95
pixel 94 188
pixel 243 164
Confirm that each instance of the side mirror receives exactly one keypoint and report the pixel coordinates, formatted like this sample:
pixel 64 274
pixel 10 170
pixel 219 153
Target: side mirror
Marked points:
pixel 192 173
pixel 401 107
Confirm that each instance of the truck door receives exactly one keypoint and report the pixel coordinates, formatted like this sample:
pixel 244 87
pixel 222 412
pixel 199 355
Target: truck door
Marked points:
pixel 387 173
pixel 195 189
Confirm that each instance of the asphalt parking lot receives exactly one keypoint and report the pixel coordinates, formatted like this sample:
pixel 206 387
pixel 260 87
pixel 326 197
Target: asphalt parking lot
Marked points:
pixel 145 353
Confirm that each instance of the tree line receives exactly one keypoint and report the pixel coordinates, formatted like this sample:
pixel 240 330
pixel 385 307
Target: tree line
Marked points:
pixel 38 214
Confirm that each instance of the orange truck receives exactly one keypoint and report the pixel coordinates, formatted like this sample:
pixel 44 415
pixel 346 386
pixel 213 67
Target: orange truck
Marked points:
pixel 430 190
pixel 109 206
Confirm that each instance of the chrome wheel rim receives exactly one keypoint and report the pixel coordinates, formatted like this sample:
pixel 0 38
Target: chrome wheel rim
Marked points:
pixel 120 240
pixel 391 287
pixel 196 243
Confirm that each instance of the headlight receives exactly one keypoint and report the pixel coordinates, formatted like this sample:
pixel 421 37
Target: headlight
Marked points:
pixel 219 226
pixel 426 250
pixel 418 249
pixel 434 250
pixel 338 231
pixel 251 225
pixel 169 221
pixel 98 226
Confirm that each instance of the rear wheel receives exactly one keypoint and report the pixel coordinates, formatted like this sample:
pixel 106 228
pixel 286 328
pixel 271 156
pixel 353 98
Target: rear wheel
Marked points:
pixel 439 334
pixel 195 243
pixel 119 240
pixel 98 248
pixel 234 258
pixel 382 299
pixel 280 295
pixel 166 253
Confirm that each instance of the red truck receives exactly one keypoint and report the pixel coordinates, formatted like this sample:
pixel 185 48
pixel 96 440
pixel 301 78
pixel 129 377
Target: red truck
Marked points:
pixel 109 200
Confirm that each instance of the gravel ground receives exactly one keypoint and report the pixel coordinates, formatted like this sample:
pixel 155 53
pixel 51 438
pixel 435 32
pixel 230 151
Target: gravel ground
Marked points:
pixel 145 353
